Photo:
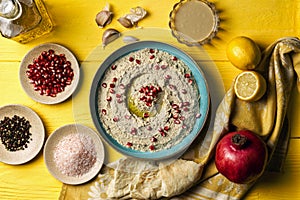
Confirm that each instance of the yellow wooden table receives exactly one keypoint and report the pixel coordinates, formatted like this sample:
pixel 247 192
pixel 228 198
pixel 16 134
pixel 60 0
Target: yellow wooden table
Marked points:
pixel 263 20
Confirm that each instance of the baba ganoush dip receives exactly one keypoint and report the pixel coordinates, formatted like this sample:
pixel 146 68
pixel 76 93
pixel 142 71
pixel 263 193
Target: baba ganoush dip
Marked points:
pixel 148 100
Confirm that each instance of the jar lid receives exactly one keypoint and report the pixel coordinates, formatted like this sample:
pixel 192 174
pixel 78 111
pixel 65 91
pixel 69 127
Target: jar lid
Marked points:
pixel 194 22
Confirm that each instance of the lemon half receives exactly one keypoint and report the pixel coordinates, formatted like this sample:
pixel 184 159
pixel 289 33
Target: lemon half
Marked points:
pixel 250 86
pixel 243 53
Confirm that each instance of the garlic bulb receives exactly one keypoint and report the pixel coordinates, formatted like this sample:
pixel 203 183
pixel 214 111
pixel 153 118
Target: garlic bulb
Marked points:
pixel 104 17
pixel 110 35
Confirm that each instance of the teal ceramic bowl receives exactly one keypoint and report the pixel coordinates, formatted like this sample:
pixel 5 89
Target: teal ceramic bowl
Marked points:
pixel 204 102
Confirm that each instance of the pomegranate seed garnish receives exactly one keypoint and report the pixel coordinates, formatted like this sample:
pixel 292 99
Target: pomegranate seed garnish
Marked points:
pixel 152 147
pixel 109 98
pixel 186 103
pixel 138 62
pixel 187 76
pixel 103 111
pixel 133 131
pixel 167 77
pixel 190 81
pixel 149 104
pixel 149 128
pixel 146 115
pixel 153 139
pixel 115 119
pixel 118 95
pixel 185 109
pixel 113 67
pixel 122 86
pixel 114 79
pixel 163 66
pixel 119 100
pixel 184 126
pixel 157 67
pixel 166 128
pixel 131 59
pixel 112 85
pixel 175 106
pixel 176 121
pixel 175 116
pixel 152 56
pixel 198 115
pixel 152 51
pixel 162 133
pixel 174 58
pixel 129 144
pixel 182 118
pixel 183 91
pixel 112 91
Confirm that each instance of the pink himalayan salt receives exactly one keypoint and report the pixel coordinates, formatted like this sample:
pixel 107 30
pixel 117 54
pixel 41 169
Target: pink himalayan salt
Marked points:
pixel 75 154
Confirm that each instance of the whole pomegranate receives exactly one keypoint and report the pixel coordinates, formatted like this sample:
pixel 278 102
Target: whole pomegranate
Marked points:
pixel 241 156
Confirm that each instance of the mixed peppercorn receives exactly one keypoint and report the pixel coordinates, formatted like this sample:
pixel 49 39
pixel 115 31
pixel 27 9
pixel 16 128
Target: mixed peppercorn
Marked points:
pixel 14 133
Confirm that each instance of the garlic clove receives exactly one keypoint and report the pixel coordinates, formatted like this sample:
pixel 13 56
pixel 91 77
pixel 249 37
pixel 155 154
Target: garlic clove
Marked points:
pixel 125 22
pixel 109 35
pixel 136 14
pixel 104 17
pixel 130 39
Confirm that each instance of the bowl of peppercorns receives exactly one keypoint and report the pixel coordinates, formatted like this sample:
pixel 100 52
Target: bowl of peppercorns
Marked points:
pixel 49 73
pixel 22 134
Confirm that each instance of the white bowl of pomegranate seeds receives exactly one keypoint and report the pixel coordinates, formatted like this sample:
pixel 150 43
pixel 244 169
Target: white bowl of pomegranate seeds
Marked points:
pixel 22 134
pixel 149 100
pixel 49 73
pixel 74 154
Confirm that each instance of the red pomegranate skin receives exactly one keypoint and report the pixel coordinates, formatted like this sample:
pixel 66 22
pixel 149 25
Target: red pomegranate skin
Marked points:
pixel 241 163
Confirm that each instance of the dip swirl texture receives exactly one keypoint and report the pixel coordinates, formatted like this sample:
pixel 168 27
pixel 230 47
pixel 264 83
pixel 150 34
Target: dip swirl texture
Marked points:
pixel 148 100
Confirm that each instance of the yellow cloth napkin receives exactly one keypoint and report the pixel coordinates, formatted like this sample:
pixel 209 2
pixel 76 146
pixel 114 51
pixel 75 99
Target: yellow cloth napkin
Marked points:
pixel 267 117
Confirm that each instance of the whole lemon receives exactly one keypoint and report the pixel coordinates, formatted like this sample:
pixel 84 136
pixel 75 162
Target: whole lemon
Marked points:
pixel 243 53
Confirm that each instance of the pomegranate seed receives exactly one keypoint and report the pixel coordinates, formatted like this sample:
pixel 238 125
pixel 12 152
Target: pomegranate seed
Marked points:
pixel 149 128
pixel 103 111
pixel 163 66
pixel 175 58
pixel 112 85
pixel 186 109
pixel 114 67
pixel 149 104
pixel 133 131
pixel 152 56
pixel 183 91
pixel 122 86
pixel 119 100
pixel 112 91
pixel 152 51
pixel 198 115
pixel 190 81
pixel 138 62
pixel 131 59
pixel 186 103
pixel 118 95
pixel 104 85
pixel 114 79
pixel 115 119
pixel 48 71
pixel 162 133
pixel 152 147
pixel 127 117
pixel 153 139
pixel 182 118
pixel 157 67
pixel 175 106
pixel 187 76
pixel 184 126
pixel 166 128
pixel 129 144
pixel 109 98
pixel 146 115
pixel 175 116
pixel 176 121
pixel 167 77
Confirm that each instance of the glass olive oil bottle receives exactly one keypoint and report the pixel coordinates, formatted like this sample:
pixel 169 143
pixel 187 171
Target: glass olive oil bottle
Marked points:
pixel 24 20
